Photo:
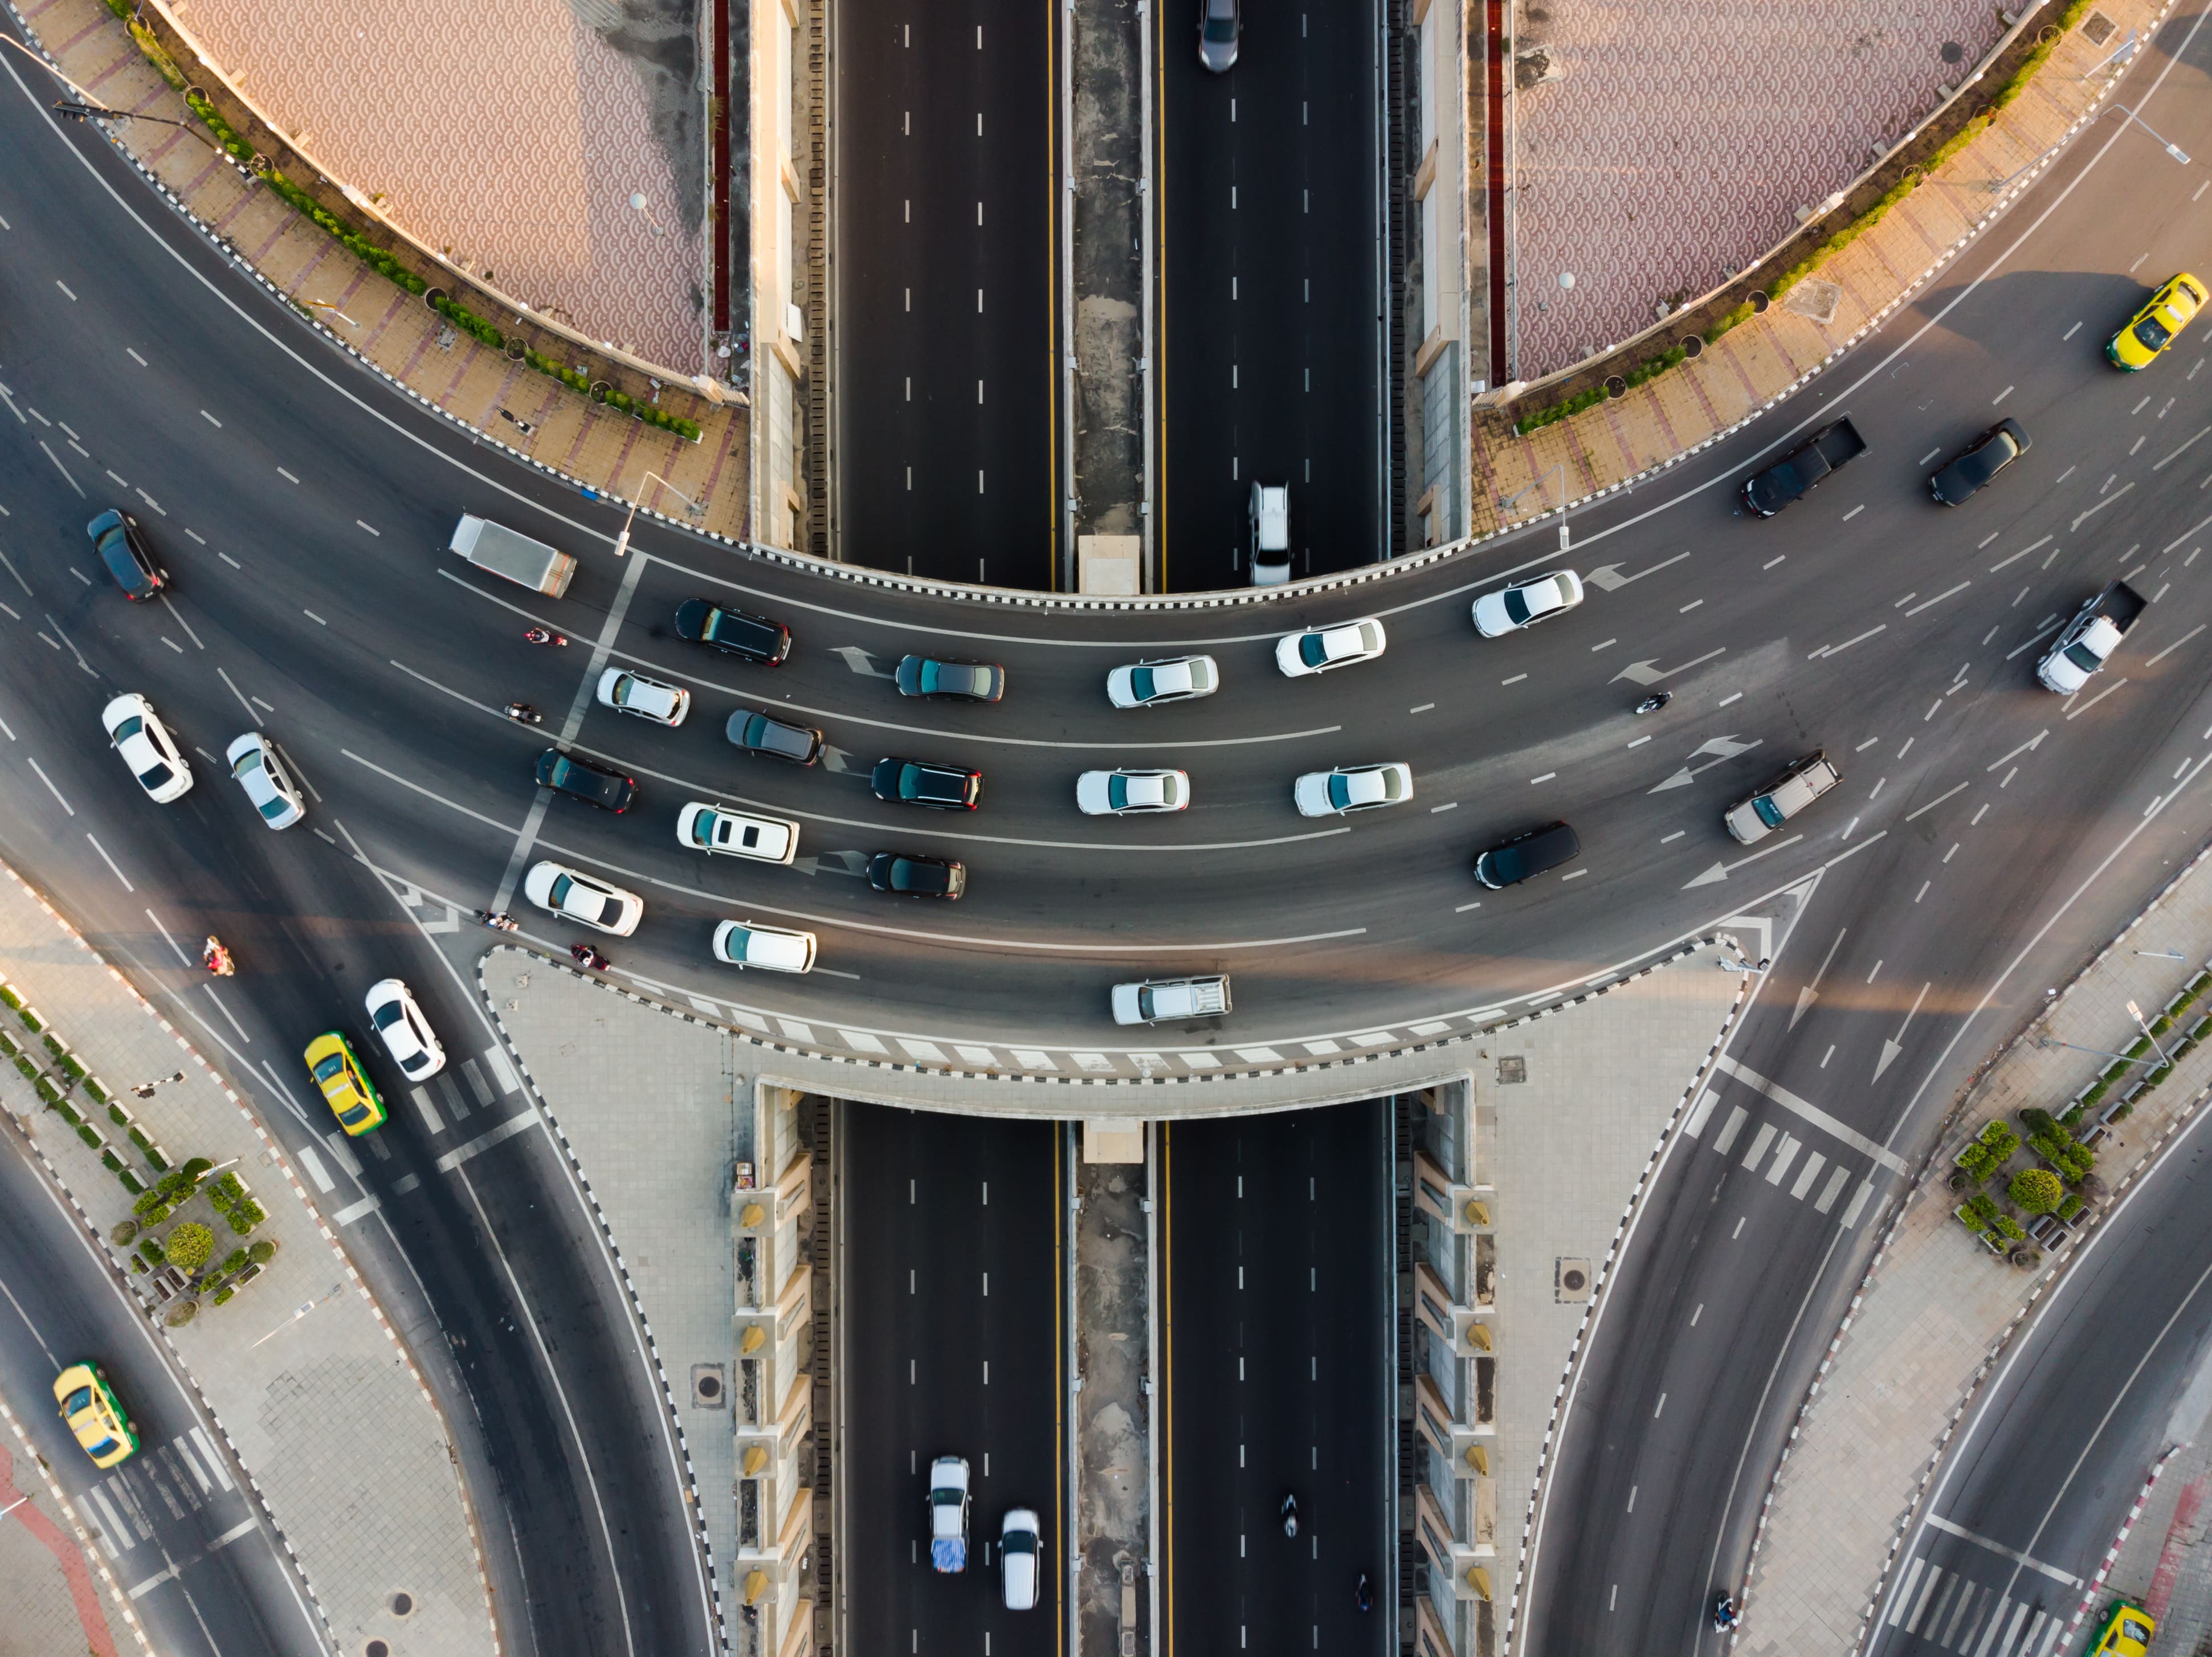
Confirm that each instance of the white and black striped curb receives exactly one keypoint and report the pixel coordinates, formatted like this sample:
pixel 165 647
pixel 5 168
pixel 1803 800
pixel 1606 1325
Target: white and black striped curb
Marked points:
pixel 2044 1279
pixel 1699 1079
pixel 2095 1589
pixel 694 1499
pixel 76 1525
pixel 1437 1043
pixel 283 1165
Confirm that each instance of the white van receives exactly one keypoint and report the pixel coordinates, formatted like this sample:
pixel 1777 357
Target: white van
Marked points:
pixel 1755 818
pixel 725 833
pixel 746 943
pixel 1270 512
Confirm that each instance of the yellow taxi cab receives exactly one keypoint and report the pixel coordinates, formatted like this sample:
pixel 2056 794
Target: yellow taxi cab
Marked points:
pixel 346 1088
pixel 2152 329
pixel 91 1411
pixel 2125 1632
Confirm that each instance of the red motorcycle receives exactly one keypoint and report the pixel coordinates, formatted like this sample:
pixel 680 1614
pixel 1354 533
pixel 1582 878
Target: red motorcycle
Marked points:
pixel 586 955
pixel 216 959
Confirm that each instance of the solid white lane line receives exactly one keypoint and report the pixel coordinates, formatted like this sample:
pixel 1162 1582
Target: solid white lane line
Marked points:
pixel 2175 646
pixel 2004 1552
pixel 49 782
pixel 1933 803
pixel 226 1012
pixel 110 862
pixel 1948 592
pixel 240 694
pixel 2034 742
pixel 2077 713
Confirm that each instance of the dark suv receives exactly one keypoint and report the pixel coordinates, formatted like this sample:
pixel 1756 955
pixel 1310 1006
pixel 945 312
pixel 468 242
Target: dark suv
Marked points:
pixel 925 782
pixel 757 733
pixel 1529 853
pixel 594 784
pixel 908 874
pixel 115 537
pixel 732 632
pixel 1992 452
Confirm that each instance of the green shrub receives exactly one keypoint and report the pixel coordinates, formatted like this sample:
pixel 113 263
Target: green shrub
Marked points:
pixel 2070 1205
pixel 165 65
pixel 1734 318
pixel 132 1182
pixel 224 1294
pixel 2035 60
pixel 53 1046
pixel 1982 1209
pixel 2036 1190
pixel 1965 1215
pixel 9 996
pixel 2009 1228
pixel 2000 1139
pixel 30 1070
pixel 53 1095
pixel 31 1021
pixel 234 1261
pixel 114 1163
pixel 151 1246
pixel 146 1205
pixel 95 1089
pixel 2035 1120
pixel 190 1246
pixel 118 1115
pixel 247 1215
pixel 89 1134
pixel 159 1162
pixel 225 1192
pixel 262 1251
pixel 193 1168
pixel 7 1044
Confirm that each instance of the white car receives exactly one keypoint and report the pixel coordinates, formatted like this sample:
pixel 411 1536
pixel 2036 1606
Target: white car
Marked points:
pixel 717 828
pixel 1527 602
pixel 408 1037
pixel 1352 788
pixel 1175 679
pixel 575 895
pixel 1318 649
pixel 260 771
pixel 744 943
pixel 1018 1558
pixel 136 732
pixel 1114 793
pixel 649 699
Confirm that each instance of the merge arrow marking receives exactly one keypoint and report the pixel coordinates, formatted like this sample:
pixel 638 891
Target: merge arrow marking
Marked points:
pixel 1895 1044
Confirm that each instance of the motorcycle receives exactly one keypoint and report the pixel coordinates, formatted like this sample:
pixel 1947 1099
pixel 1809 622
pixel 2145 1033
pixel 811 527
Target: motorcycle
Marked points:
pixel 538 635
pixel 216 959
pixel 1654 702
pixel 498 923
pixel 524 713
pixel 1362 1594
pixel 1725 1614
pixel 586 955
pixel 1290 1515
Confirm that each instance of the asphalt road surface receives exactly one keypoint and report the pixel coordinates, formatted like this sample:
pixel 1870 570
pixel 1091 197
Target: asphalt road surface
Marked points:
pixel 946 364
pixel 1281 1379
pixel 199 1564
pixel 2111 1372
pixel 950 1266
pixel 1270 330
pixel 1904 965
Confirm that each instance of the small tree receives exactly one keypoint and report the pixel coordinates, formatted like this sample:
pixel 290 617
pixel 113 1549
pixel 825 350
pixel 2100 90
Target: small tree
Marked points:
pixel 2036 1190
pixel 191 1243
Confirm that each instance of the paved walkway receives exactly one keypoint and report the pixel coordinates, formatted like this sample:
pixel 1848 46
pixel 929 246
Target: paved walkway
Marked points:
pixel 55 1603
pixel 658 1170
pixel 1681 142
pixel 1752 365
pixel 366 1515
pixel 1936 1308
pixel 557 130
pixel 397 334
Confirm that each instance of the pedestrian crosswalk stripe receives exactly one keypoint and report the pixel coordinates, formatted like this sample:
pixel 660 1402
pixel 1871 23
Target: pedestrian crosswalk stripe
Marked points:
pixel 496 1058
pixel 112 1535
pixel 314 1164
pixel 1784 1154
pixel 214 1461
pixel 1759 1141
pixel 2012 1633
pixel 431 1120
pixel 1813 1163
pixel 1737 1116
pixel 343 1152
pixel 1926 1592
pixel 457 1106
pixel 1904 1593
pixel 477 1085
pixel 1701 1112
pixel 1858 1203
pixel 1829 1192
pixel 184 1455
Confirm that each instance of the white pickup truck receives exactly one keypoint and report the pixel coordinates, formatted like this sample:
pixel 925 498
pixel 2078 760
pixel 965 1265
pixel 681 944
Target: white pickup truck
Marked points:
pixel 1165 1000
pixel 1270 514
pixel 948 1513
pixel 2088 641
pixel 503 552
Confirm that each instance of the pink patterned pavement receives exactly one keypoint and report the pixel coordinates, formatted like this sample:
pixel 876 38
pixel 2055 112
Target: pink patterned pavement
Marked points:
pixel 1683 136
pixel 506 130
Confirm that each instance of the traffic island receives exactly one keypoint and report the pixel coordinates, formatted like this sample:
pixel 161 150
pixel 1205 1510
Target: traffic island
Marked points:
pixel 1110 1245
pixel 285 1338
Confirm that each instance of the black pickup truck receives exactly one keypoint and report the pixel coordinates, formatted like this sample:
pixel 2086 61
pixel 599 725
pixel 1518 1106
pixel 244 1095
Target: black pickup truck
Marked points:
pixel 1826 451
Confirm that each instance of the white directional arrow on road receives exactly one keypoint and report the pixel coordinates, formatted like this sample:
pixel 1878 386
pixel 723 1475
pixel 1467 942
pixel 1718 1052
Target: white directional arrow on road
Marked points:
pixel 854 864
pixel 1895 1045
pixel 1726 748
pixel 1649 672
pixel 1811 992
pixel 1609 577
pixel 1721 871
pixel 860 661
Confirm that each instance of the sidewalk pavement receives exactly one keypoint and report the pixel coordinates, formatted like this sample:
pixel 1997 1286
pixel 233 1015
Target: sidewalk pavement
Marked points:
pixel 301 1355
pixel 2166 1564
pixel 1747 368
pixel 658 1171
pixel 393 332
pixel 1569 1145
pixel 54 1603
pixel 1936 1309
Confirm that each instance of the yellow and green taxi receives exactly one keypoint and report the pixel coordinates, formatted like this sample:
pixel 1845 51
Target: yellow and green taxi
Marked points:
pixel 346 1087
pixel 2125 1631
pixel 2152 329
pixel 91 1411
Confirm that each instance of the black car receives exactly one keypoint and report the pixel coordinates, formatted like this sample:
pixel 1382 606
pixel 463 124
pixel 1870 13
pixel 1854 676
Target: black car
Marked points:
pixel 594 784
pixel 910 875
pixel 757 733
pixel 924 782
pixel 967 682
pixel 115 537
pixel 733 632
pixel 1529 853
pixel 1991 453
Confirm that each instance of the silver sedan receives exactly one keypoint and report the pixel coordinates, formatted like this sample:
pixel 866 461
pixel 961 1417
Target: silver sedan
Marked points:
pixel 1117 794
pixel 1353 788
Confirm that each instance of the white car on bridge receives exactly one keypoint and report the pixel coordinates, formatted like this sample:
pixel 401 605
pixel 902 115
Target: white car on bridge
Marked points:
pixel 1352 788
pixel 1117 794
pixel 1527 602
pixel 1318 649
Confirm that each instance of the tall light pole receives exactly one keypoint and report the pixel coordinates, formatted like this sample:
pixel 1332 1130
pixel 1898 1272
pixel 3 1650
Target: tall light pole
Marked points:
pixel 622 541
pixel 2174 150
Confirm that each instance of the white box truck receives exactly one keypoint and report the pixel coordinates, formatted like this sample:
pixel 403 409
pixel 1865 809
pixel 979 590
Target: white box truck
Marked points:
pixel 1270 512
pixel 501 550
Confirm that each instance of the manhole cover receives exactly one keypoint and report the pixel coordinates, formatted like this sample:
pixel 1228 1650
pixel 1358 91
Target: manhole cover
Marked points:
pixel 1513 1067
pixel 708 1389
pixel 1953 52
pixel 2097 28
pixel 403 1604
pixel 376 1648
pixel 1570 1278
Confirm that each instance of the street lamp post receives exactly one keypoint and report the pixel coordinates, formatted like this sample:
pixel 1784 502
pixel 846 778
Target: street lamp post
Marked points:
pixel 2174 150
pixel 2053 1042
pixel 2135 1013
pixel 325 305
pixel 622 541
